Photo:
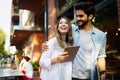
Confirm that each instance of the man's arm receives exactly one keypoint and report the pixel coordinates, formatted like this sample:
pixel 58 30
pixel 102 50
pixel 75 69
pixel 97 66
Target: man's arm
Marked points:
pixel 101 59
pixel 102 67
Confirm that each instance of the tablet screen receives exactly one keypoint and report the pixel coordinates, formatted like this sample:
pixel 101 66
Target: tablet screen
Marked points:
pixel 72 51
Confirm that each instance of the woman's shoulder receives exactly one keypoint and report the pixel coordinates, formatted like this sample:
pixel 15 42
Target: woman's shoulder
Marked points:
pixel 52 40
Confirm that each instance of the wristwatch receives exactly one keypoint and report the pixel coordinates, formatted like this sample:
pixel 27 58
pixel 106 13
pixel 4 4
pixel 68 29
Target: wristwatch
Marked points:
pixel 102 72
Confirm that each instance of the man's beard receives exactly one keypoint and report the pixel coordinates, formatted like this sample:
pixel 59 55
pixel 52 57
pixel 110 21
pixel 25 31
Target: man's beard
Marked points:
pixel 83 25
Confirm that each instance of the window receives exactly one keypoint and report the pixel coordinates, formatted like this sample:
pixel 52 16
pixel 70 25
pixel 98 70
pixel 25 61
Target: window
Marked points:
pixel 63 4
pixel 106 19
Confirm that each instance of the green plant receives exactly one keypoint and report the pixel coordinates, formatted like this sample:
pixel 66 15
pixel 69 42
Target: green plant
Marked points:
pixel 35 65
pixel 2 40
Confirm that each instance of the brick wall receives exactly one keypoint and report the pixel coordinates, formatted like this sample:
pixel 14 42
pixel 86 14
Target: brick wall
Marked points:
pixel 51 18
pixel 38 38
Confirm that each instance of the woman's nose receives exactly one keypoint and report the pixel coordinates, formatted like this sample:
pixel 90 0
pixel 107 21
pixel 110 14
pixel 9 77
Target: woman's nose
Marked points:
pixel 63 24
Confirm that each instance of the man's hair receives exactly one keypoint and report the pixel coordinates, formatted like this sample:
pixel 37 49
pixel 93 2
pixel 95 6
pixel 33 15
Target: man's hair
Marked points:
pixel 87 7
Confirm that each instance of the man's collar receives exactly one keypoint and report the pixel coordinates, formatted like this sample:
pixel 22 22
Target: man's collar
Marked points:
pixel 76 28
pixel 93 30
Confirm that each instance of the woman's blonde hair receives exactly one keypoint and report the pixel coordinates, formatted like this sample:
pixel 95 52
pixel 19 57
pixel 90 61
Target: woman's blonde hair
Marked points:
pixel 69 39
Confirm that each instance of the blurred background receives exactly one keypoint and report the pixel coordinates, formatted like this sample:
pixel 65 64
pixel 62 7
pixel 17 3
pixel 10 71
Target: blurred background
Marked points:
pixel 26 24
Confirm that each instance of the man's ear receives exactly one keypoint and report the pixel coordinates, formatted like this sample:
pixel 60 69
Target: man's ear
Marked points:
pixel 90 16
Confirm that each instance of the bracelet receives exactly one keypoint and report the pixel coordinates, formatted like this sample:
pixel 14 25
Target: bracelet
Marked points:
pixel 102 72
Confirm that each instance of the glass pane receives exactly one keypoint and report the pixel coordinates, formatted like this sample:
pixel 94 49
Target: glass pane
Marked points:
pixel 106 19
pixel 63 4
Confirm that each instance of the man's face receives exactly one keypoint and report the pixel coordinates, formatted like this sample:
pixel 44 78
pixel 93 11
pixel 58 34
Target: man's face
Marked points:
pixel 82 18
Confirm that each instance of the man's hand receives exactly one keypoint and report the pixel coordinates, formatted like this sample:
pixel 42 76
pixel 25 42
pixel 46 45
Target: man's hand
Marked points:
pixel 44 47
pixel 103 75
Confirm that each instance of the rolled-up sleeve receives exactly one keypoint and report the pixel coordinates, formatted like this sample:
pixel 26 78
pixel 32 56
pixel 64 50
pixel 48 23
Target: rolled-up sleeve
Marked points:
pixel 102 52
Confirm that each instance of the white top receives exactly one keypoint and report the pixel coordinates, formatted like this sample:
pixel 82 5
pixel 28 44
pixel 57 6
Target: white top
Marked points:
pixel 58 71
pixel 82 61
pixel 28 69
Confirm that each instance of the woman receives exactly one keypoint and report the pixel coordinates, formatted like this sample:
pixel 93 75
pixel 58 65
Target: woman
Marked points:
pixel 26 68
pixel 51 60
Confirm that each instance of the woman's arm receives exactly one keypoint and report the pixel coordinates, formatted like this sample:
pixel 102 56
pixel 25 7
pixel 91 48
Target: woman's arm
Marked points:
pixel 60 58
pixel 45 60
pixel 22 67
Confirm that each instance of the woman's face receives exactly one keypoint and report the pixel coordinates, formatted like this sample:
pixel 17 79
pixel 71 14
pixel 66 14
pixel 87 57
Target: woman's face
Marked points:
pixel 63 26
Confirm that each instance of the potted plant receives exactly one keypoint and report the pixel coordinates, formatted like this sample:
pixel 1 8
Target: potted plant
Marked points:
pixel 35 66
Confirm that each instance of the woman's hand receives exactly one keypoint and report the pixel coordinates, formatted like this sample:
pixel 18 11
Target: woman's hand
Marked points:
pixel 61 58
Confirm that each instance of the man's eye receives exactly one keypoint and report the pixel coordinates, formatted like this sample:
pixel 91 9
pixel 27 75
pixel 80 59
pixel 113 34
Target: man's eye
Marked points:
pixel 79 16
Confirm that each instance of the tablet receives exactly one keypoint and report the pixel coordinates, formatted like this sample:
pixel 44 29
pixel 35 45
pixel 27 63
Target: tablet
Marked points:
pixel 72 51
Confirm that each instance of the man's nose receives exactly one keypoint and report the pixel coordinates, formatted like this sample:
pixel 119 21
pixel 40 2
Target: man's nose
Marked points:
pixel 78 18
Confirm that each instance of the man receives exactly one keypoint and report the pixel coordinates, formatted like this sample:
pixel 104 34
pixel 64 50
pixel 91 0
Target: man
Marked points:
pixel 89 63
pixel 91 55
